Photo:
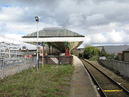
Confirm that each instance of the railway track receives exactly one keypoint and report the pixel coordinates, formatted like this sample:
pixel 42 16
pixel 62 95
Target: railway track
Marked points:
pixel 106 86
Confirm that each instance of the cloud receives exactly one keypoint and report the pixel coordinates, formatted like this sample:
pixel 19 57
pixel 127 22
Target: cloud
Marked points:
pixel 102 21
pixel 11 14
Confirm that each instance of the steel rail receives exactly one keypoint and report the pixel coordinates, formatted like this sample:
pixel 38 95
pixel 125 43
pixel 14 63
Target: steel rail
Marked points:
pixel 116 83
pixel 99 89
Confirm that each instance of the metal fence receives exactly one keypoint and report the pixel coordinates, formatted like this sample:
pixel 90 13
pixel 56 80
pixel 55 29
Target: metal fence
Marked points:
pixel 12 60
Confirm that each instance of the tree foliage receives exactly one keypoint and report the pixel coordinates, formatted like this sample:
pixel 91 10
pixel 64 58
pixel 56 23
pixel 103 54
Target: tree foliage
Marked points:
pixel 91 51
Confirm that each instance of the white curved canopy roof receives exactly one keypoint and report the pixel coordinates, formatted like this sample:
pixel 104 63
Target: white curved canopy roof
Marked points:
pixel 54 35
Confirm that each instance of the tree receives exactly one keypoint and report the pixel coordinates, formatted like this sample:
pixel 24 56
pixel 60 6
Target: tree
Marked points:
pixel 103 52
pixel 90 52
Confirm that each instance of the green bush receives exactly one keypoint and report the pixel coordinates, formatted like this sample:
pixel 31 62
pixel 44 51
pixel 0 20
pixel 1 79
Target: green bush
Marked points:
pixel 91 51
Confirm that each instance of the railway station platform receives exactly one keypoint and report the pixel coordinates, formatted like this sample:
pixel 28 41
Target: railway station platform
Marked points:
pixel 81 84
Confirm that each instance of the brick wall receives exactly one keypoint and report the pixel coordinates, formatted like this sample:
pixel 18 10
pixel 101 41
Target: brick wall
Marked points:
pixel 58 60
pixel 126 56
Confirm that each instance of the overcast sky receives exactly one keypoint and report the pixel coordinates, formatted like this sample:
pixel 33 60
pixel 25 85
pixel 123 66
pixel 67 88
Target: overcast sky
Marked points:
pixel 101 21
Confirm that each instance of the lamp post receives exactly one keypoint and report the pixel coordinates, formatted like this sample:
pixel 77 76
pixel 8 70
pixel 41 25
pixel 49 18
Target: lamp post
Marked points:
pixel 37 59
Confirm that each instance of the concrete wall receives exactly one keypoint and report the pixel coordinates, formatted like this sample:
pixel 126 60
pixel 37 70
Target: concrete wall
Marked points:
pixel 117 66
pixel 10 67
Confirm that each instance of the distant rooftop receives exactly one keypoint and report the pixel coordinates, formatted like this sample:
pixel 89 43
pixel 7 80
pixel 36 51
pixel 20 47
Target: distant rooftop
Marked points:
pixel 114 49
pixel 53 32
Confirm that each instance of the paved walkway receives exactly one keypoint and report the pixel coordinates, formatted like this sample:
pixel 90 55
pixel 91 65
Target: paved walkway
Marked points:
pixel 82 85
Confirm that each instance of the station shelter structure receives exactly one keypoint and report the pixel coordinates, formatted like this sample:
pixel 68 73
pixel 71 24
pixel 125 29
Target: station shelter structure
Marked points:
pixel 55 43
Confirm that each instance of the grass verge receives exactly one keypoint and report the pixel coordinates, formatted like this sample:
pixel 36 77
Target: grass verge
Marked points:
pixel 48 81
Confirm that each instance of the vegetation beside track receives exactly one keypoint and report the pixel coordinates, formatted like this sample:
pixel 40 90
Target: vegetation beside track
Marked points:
pixel 48 81
pixel 93 53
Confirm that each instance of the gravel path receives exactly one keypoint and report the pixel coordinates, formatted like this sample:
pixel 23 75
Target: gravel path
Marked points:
pixel 81 85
